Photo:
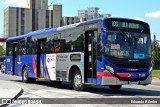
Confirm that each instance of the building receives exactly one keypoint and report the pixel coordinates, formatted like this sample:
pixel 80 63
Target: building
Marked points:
pixel 71 20
pixel 36 15
pixel 91 13
pixel 37 4
pixel 49 18
pixel 83 15
pixel 17 21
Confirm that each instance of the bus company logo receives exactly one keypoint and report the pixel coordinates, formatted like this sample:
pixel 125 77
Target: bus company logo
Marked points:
pixel 50 60
pixel 142 75
pixel 132 75
pixel 8 60
pixel 133 69
pixel 61 57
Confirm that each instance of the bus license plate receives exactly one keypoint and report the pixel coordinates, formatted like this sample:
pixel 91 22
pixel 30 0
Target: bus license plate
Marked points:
pixel 134 82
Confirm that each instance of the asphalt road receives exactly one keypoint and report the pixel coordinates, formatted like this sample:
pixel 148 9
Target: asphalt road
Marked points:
pixel 44 89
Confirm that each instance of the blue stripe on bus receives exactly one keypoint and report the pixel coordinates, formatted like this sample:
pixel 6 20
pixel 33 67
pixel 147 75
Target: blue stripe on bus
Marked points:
pixel 92 80
pixel 99 80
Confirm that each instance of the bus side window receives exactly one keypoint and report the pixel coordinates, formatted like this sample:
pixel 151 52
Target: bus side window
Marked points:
pixel 58 42
pixel 28 45
pixel 22 48
pixel 74 40
pixel 99 45
pixel 9 48
pixel 33 46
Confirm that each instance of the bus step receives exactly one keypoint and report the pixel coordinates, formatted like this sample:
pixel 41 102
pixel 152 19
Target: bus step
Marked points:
pixel 41 78
pixel 89 83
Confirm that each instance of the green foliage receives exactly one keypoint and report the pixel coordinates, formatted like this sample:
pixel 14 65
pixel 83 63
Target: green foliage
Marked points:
pixel 2 51
pixel 156 73
pixel 155 53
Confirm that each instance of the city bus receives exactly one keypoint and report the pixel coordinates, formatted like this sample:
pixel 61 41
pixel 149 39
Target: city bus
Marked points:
pixel 103 52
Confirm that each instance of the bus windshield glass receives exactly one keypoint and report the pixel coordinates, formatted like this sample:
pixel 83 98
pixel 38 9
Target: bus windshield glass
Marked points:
pixel 127 39
pixel 128 45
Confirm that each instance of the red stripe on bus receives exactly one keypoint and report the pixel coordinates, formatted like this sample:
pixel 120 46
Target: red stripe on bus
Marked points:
pixel 106 74
pixel 34 66
pixel 123 75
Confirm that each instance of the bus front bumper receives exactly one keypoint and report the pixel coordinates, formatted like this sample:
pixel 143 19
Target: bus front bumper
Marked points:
pixel 115 81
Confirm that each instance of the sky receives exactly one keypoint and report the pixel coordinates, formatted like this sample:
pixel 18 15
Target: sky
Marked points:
pixel 145 10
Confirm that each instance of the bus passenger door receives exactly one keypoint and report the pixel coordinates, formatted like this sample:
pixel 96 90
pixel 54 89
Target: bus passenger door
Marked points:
pixel 14 62
pixel 41 58
pixel 90 55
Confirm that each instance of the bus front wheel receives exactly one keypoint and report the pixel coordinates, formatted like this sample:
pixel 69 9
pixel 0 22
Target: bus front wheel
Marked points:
pixel 25 77
pixel 77 81
pixel 115 87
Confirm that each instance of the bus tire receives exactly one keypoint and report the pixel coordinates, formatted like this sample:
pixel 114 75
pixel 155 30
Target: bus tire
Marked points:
pixel 25 77
pixel 115 87
pixel 77 81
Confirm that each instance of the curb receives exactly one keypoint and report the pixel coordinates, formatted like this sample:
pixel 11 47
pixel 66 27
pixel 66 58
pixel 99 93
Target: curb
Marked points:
pixel 153 78
pixel 14 97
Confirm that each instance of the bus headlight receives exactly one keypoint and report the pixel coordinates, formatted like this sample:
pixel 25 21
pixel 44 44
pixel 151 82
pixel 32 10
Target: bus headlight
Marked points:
pixel 110 69
pixel 150 69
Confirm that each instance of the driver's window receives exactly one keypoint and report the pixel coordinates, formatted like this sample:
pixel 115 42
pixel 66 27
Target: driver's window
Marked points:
pixel 111 38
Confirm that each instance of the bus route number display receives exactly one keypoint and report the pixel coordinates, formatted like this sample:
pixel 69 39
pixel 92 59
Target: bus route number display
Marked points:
pixel 129 25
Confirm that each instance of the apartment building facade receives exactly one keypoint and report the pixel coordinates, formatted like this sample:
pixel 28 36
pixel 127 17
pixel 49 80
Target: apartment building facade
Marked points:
pixel 91 13
pixel 17 21
pixel 36 15
pixel 71 20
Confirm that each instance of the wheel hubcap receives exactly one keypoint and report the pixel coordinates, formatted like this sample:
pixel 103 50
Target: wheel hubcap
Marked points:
pixel 77 80
pixel 24 75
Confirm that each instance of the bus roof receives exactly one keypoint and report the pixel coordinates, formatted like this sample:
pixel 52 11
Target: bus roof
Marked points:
pixel 79 24
pixel 47 30
pixel 34 33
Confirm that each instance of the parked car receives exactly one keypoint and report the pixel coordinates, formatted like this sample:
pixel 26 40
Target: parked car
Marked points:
pixel 3 67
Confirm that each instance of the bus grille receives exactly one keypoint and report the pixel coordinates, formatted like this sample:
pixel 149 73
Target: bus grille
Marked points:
pixel 131 66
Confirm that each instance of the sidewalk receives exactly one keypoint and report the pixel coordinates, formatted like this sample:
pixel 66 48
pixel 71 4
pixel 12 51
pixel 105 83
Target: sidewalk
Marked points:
pixel 9 90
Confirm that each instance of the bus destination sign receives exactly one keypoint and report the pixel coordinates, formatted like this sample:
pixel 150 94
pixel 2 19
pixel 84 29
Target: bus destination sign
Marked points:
pixel 128 25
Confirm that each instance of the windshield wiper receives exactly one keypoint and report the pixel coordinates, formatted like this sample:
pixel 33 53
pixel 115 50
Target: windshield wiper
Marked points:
pixel 124 36
pixel 122 33
pixel 137 39
pixel 140 35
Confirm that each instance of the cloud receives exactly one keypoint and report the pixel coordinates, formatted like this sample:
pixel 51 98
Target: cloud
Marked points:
pixel 138 18
pixel 155 14
pixel 15 2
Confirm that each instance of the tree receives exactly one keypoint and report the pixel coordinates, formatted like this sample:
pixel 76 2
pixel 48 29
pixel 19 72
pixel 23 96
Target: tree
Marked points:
pixel 155 53
pixel 2 51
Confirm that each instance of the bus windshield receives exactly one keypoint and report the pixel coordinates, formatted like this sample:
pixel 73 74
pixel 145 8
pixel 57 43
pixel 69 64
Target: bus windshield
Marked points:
pixel 130 45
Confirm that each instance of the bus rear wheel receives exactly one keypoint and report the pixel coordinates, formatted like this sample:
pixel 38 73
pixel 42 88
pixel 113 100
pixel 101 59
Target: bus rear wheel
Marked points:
pixel 77 81
pixel 115 87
